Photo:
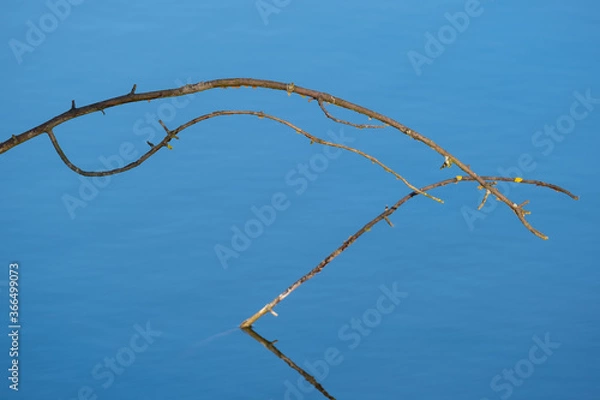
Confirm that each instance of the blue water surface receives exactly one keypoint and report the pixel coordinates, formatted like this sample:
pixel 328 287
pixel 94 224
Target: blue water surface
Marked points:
pixel 122 293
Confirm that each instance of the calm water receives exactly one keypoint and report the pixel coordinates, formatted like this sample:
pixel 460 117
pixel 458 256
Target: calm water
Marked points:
pixel 122 295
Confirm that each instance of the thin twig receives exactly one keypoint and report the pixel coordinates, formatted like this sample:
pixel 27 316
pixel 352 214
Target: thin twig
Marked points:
pixel 309 136
pixel 342 121
pixel 386 213
pixel 173 134
pixel 485 197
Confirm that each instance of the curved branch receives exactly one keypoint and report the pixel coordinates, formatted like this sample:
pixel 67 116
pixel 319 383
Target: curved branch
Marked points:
pixel 383 216
pixel 290 88
pixel 173 134
pixel 314 139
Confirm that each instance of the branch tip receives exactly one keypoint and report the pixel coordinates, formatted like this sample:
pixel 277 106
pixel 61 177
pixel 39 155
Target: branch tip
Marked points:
pixel 388 221
pixel 485 197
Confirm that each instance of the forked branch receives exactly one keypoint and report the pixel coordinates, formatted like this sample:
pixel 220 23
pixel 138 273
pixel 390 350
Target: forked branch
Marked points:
pixel 290 88
pixel 488 183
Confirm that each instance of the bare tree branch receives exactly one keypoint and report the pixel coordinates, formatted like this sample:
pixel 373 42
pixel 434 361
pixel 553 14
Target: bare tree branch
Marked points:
pixel 383 216
pixel 290 88
pixel 487 183
pixel 173 134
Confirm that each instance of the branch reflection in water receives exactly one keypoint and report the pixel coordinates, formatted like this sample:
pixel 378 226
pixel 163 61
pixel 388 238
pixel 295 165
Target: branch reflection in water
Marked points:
pixel 270 345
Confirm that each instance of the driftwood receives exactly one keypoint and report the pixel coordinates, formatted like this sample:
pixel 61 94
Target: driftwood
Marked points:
pixel 486 183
